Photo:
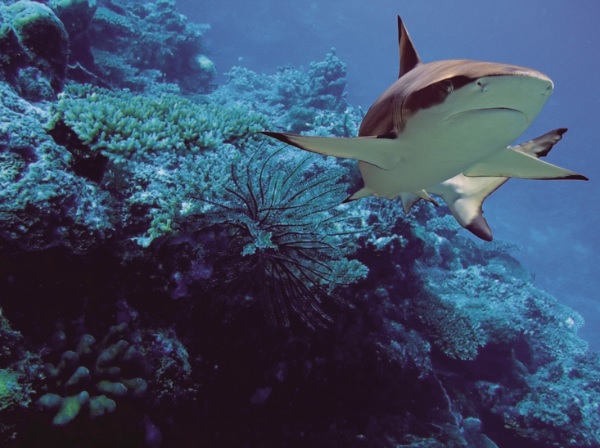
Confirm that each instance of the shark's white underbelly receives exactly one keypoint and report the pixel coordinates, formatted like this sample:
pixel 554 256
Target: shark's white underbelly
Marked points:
pixel 434 153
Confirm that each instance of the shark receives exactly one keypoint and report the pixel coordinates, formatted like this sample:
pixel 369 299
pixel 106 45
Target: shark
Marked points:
pixel 446 128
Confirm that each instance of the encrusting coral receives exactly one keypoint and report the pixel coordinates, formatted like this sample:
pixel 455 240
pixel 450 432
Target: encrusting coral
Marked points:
pixel 76 15
pixel 43 203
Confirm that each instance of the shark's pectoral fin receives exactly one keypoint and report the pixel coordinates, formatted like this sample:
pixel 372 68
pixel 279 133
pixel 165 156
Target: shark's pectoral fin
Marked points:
pixel 381 152
pixel 514 163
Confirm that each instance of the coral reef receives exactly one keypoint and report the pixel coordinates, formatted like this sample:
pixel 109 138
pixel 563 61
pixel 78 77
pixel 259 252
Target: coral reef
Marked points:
pixel 135 137
pixel 108 43
pixel 327 84
pixel 128 39
pixel 18 368
pixel 313 102
pixel 494 296
pixel 35 49
pixel 164 226
pixel 44 204
pixel 121 125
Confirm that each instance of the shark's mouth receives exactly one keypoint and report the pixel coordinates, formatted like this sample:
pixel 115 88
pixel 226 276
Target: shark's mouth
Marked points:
pixel 492 109
pixel 499 108
pixel 495 116
pixel 488 110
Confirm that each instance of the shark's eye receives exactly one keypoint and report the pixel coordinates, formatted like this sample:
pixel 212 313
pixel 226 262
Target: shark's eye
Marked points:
pixel 447 85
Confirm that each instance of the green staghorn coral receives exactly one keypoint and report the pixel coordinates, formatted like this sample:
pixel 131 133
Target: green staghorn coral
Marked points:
pixel 122 125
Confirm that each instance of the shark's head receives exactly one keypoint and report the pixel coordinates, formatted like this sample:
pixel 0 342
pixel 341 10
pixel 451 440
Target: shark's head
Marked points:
pixel 462 90
pixel 459 93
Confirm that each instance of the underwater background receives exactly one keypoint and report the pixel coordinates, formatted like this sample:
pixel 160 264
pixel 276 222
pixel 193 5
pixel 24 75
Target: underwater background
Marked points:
pixel 555 223
pixel 171 278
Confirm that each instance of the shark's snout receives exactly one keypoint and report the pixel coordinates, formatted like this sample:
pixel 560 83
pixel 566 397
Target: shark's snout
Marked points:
pixel 524 91
pixel 537 80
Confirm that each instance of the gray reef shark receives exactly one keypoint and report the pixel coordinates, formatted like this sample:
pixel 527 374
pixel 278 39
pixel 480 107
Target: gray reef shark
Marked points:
pixel 444 128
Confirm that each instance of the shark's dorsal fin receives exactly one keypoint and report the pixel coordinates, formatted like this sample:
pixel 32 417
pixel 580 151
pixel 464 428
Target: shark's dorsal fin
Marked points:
pixel 408 55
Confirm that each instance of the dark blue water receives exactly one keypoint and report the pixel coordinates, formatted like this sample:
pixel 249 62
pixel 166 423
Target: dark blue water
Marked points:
pixel 556 223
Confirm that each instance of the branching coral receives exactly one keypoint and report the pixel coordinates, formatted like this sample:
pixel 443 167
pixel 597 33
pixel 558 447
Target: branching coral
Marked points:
pixel 286 238
pixel 449 327
pixel 328 83
pixel 298 101
pixel 12 393
pixel 122 125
